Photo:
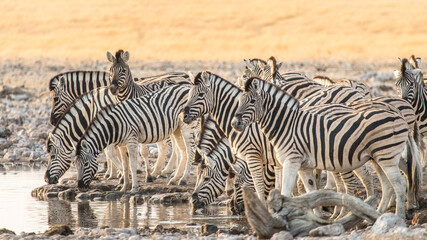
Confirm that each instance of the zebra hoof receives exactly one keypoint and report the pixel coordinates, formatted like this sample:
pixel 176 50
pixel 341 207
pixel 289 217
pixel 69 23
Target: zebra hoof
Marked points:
pixel 182 183
pixel 107 176
pixel 150 179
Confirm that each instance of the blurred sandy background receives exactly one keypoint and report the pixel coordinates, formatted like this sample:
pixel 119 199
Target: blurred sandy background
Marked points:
pixel 214 30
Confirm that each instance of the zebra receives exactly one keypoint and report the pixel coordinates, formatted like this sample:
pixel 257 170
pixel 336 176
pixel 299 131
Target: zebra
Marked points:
pixel 357 85
pixel 67 86
pixel 72 125
pixel 147 119
pixel 214 148
pixel 250 145
pixel 411 87
pixel 300 137
pixel 312 95
pixel 124 87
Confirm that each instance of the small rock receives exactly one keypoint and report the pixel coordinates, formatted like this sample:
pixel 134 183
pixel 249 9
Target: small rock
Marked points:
pixel 9 157
pixel 158 228
pixel 386 222
pixel 237 230
pixel 112 197
pixel 4 132
pixel 208 229
pixel 335 229
pixel 420 218
pixel 136 200
pixel 99 199
pixel 96 195
pixel 5 144
pixel 168 198
pixel 283 235
pixel 68 194
pixel 52 195
pixel 59 229
pixel 5 230
pixel 82 196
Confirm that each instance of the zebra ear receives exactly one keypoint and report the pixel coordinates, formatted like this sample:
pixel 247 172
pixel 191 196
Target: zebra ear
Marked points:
pixel 400 60
pixel 256 85
pixel 249 64
pixel 418 62
pixel 110 57
pixel 125 56
pixel 206 79
pixel 191 75
pixel 236 169
pixel 84 145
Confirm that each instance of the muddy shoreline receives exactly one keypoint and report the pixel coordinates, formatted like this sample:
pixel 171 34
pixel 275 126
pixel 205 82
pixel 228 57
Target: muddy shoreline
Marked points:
pixel 24 127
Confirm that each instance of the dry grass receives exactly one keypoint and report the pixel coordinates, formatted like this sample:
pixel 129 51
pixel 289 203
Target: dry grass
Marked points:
pixel 214 30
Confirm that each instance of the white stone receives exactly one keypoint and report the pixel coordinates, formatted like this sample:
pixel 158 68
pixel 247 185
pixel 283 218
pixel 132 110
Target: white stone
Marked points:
pixel 283 235
pixel 386 222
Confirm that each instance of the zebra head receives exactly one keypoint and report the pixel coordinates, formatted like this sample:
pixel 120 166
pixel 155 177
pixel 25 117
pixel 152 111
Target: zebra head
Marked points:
pixel 120 75
pixel 239 172
pixel 60 100
pixel 86 165
pixel 211 182
pixel 250 107
pixel 59 161
pixel 200 98
pixel 406 80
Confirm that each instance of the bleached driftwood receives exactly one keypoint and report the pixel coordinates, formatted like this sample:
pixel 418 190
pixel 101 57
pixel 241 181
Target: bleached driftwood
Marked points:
pixel 296 216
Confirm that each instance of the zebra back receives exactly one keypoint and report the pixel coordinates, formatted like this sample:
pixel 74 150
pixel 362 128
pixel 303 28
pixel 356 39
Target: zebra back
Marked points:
pixel 68 86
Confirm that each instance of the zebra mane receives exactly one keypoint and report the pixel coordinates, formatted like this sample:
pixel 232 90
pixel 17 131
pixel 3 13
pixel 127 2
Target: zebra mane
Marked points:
pixel 403 67
pixel 249 83
pixel 414 60
pixel 91 92
pixel 103 110
pixel 203 123
pixel 258 60
pixel 119 54
pixel 274 65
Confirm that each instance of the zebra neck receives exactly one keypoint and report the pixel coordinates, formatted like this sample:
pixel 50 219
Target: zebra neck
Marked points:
pixel 278 121
pixel 225 103
pixel 419 102
pixel 130 91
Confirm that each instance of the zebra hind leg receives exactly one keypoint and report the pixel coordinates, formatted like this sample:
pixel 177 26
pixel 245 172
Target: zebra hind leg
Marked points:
pixel 125 164
pixel 174 159
pixel 163 147
pixel 181 145
pixel 133 160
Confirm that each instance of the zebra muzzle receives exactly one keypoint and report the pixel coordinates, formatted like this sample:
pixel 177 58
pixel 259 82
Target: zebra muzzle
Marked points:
pixel 237 124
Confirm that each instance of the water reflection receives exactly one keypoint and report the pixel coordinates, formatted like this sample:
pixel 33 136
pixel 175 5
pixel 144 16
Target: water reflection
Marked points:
pixel 30 215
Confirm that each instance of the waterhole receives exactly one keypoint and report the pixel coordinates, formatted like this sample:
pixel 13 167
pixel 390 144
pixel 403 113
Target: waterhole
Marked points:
pixel 22 213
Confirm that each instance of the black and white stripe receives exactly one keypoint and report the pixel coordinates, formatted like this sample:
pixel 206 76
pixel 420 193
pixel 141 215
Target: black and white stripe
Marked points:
pixel 148 119
pixel 305 138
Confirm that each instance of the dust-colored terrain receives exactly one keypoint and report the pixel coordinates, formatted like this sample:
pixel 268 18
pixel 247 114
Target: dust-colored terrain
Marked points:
pixel 214 30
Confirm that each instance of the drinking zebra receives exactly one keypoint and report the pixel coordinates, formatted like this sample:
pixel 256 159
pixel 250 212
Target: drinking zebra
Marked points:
pixel 305 139
pixel 148 119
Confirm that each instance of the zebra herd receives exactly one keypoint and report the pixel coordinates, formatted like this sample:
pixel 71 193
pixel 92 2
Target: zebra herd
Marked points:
pixel 265 132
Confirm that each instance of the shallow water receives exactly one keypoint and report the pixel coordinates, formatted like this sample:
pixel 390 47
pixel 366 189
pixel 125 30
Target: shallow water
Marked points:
pixel 21 212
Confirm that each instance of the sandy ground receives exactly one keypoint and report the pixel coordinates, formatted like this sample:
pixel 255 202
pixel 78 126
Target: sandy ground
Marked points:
pixel 214 30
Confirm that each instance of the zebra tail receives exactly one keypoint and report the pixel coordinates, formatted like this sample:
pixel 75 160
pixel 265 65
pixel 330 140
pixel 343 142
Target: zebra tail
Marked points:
pixel 414 167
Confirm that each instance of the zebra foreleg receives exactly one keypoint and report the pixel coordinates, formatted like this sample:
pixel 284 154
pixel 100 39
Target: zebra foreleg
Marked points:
pixel 367 180
pixel 290 169
pixel 187 132
pixel 341 189
pixel 144 155
pixel 278 174
pixel 424 147
pixel 181 145
pixel 112 153
pixel 125 164
pixel 256 169
pixel 330 183
pixel 133 160
pixel 386 188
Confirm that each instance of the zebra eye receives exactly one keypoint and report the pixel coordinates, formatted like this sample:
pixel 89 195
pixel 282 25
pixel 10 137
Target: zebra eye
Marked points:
pixel 55 99
pixel 202 94
pixel 206 178
pixel 252 101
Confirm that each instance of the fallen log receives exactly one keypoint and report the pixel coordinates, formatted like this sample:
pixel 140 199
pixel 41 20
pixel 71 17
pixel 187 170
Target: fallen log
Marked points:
pixel 296 215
